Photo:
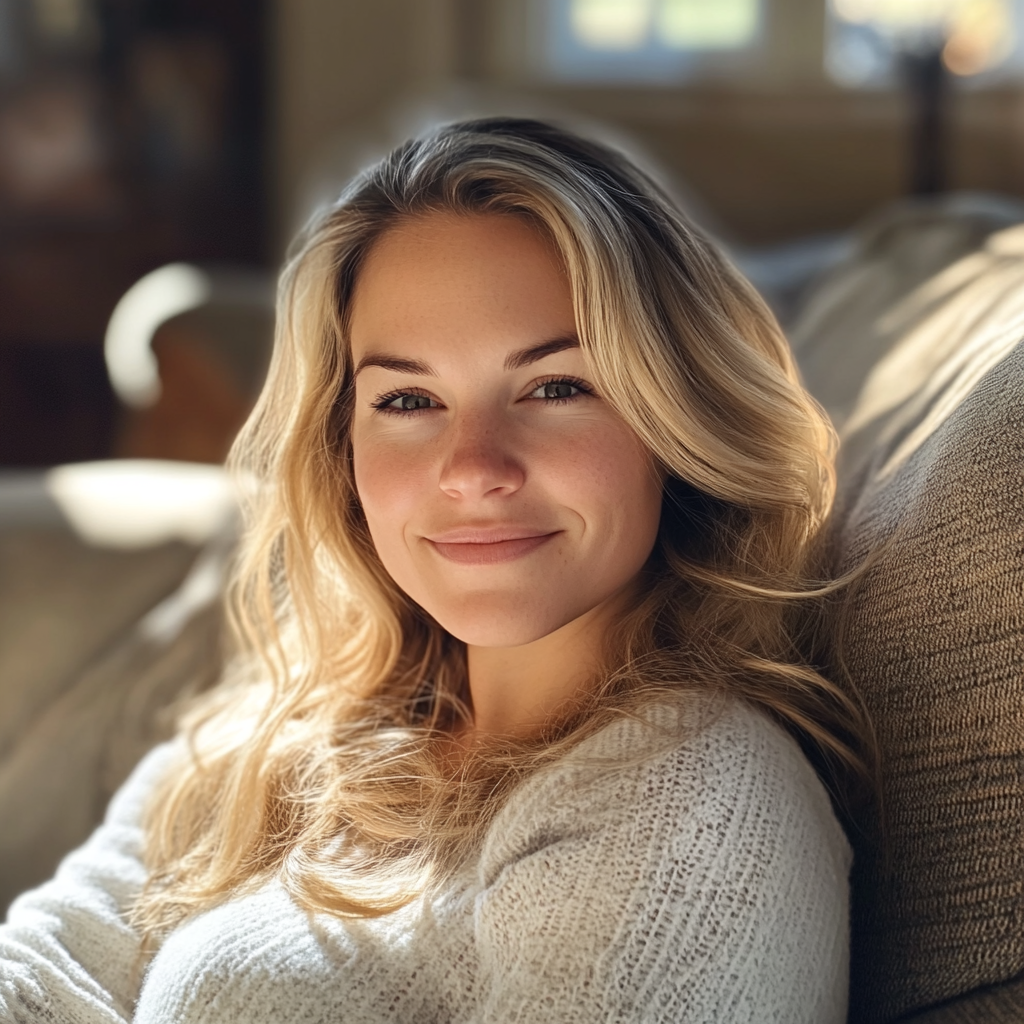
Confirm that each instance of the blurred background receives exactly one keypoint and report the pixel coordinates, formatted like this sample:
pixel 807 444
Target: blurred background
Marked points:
pixel 137 134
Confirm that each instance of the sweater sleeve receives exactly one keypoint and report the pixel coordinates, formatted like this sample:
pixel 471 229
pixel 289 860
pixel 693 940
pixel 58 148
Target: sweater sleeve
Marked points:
pixel 67 952
pixel 705 884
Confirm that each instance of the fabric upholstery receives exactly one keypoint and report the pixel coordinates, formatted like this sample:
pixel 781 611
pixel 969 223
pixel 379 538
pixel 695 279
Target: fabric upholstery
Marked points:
pixel 62 604
pixel 98 646
pixel 1002 1004
pixel 854 316
pixel 932 482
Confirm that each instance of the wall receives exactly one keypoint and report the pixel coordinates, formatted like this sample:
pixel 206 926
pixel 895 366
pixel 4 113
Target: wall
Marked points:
pixel 781 154
pixel 337 66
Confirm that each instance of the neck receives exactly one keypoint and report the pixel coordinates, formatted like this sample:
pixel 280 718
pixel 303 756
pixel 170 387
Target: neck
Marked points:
pixel 515 690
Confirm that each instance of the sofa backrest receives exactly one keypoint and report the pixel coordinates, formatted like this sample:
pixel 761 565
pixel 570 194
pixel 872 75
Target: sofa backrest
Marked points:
pixel 932 477
pixel 109 617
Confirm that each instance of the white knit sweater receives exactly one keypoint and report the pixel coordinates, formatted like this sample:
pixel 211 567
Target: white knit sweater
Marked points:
pixel 701 879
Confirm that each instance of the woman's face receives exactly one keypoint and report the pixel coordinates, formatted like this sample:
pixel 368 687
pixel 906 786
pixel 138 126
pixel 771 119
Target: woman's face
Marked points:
pixel 502 493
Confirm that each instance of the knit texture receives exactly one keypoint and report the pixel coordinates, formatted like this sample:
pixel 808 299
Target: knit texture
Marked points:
pixel 932 482
pixel 682 868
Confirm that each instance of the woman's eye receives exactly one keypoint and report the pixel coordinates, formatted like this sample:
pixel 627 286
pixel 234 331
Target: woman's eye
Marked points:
pixel 405 403
pixel 558 390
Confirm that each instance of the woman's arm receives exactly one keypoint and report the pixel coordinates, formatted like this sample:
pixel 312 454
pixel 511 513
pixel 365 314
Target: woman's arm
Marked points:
pixel 67 952
pixel 707 885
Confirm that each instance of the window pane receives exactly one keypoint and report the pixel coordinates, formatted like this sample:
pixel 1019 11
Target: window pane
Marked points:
pixel 976 35
pixel 678 24
pixel 707 24
pixel 981 36
pixel 648 40
pixel 611 24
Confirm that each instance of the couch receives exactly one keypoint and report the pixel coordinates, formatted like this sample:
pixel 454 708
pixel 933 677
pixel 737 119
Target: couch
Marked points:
pixel 913 344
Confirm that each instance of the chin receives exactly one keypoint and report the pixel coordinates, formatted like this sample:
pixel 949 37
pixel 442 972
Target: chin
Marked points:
pixel 505 623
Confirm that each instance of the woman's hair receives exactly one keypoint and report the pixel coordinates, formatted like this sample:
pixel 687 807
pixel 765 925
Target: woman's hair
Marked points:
pixel 321 758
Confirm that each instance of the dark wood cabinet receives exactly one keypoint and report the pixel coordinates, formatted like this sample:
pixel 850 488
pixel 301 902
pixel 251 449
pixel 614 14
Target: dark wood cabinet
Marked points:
pixel 131 135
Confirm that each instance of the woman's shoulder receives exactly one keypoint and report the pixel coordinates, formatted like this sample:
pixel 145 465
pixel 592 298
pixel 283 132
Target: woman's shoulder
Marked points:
pixel 696 761
pixel 693 853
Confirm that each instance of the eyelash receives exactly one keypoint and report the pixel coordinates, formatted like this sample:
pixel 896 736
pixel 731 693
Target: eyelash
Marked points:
pixel 381 402
pixel 582 386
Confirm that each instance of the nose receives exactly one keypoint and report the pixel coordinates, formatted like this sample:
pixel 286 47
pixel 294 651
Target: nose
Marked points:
pixel 481 460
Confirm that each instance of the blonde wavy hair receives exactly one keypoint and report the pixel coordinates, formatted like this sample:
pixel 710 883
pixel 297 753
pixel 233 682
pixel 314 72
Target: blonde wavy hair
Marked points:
pixel 321 758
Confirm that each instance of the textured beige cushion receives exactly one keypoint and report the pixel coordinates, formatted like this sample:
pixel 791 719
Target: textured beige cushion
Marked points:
pixel 98 644
pixel 933 472
pixel 58 777
pixel 1002 1004
pixel 62 604
pixel 857 314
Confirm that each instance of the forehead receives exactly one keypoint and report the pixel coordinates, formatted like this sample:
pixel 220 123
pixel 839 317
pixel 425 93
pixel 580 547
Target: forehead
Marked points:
pixel 483 276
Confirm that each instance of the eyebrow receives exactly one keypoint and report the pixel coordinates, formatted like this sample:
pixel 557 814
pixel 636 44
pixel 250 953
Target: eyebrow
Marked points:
pixel 525 356
pixel 395 363
pixel 513 361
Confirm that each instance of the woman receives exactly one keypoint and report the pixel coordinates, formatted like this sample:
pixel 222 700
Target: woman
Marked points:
pixel 532 490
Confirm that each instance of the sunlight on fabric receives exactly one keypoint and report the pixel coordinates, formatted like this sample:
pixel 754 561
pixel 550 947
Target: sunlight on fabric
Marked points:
pixel 952 331
pixel 975 35
pixel 134 503
pixel 674 24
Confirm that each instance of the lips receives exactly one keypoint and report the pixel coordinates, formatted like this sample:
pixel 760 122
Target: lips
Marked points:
pixel 487 546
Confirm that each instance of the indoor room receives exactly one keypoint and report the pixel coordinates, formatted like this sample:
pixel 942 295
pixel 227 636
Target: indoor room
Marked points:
pixel 771 253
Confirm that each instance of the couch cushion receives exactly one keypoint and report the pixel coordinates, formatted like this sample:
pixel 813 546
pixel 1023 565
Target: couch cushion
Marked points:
pixel 57 778
pixel 108 619
pixel 932 477
pixel 857 313
pixel 62 604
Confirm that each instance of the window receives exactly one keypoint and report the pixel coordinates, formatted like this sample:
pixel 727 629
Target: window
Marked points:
pixel 978 38
pixel 645 40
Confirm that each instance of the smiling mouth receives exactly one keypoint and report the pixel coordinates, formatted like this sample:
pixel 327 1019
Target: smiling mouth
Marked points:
pixel 488 552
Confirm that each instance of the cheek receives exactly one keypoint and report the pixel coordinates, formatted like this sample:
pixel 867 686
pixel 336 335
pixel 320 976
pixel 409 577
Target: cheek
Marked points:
pixel 390 487
pixel 611 478
pixel 611 483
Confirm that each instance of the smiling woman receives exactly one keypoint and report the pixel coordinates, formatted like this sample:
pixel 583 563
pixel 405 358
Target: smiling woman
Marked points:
pixel 478 441
pixel 515 730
